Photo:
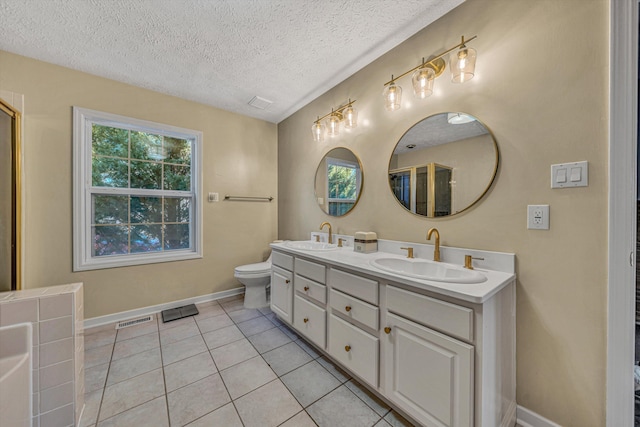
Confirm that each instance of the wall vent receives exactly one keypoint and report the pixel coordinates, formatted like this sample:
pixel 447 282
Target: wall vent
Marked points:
pixel 133 322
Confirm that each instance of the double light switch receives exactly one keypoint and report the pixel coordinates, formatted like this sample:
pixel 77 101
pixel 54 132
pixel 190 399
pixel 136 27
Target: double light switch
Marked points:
pixel 570 175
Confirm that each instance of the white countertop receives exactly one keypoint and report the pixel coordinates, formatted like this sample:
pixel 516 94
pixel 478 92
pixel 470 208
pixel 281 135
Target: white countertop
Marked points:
pixel 346 258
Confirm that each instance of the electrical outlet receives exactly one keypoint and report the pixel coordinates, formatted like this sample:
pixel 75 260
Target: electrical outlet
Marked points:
pixel 538 217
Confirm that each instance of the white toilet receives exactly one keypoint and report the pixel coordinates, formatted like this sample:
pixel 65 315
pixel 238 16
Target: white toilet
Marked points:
pixel 255 278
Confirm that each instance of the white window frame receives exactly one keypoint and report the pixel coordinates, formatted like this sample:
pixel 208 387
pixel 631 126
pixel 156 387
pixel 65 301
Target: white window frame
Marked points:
pixel 82 189
pixel 348 164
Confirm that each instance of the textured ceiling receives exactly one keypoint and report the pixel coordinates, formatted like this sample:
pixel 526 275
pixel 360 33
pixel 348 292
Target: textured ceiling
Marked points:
pixel 217 52
pixel 436 130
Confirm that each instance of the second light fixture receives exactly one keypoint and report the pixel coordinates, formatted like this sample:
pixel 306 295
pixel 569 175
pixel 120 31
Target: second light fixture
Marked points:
pixel 331 127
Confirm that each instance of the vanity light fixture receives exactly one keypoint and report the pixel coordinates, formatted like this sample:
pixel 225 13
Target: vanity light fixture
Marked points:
pixel 346 113
pixel 318 130
pixel 462 63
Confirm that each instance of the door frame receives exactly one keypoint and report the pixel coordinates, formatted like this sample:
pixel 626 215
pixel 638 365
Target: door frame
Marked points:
pixel 16 161
pixel 623 104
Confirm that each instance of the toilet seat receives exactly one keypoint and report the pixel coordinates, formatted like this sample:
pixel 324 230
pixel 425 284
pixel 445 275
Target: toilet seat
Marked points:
pixel 257 269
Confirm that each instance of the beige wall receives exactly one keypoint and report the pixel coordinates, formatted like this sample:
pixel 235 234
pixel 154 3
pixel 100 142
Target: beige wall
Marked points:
pixel 240 158
pixel 542 89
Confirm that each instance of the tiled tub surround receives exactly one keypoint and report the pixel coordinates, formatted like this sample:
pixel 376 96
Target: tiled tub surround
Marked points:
pixel 56 314
pixel 442 352
pixel 227 366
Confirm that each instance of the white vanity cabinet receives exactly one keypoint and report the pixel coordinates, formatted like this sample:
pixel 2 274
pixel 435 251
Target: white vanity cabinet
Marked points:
pixel 310 314
pixel 282 286
pixel 444 359
pixel 427 373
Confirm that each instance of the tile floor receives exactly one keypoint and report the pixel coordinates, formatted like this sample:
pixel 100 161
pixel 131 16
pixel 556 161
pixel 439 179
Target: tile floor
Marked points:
pixel 228 366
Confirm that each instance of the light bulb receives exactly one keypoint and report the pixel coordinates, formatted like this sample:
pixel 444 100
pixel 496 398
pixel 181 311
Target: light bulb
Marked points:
pixel 350 117
pixel 333 125
pixel 462 64
pixel 318 130
pixel 422 80
pixel 392 96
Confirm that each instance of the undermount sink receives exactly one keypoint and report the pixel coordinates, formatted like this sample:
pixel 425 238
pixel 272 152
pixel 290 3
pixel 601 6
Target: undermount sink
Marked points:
pixel 311 246
pixel 428 270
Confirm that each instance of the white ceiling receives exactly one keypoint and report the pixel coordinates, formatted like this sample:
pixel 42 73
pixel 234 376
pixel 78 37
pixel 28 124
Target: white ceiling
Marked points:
pixel 217 52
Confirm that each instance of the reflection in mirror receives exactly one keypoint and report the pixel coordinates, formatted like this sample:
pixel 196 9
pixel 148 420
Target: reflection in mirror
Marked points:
pixel 338 182
pixel 443 165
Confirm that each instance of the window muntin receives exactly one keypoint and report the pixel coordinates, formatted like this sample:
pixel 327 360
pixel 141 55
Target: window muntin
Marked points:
pixel 136 186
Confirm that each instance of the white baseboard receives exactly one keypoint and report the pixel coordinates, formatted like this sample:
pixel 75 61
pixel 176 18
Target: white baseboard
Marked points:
pixel 528 418
pixel 124 315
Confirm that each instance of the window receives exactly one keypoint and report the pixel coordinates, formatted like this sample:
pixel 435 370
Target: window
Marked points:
pixel 343 182
pixel 135 191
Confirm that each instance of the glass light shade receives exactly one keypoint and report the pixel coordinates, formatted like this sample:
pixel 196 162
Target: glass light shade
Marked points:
pixel 422 80
pixel 462 64
pixel 333 125
pixel 392 96
pixel 350 115
pixel 318 130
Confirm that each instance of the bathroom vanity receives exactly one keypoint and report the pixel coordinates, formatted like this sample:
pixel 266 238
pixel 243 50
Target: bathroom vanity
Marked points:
pixel 441 352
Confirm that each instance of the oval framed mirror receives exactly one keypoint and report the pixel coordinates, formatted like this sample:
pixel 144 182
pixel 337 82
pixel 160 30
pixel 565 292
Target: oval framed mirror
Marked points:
pixel 443 165
pixel 339 182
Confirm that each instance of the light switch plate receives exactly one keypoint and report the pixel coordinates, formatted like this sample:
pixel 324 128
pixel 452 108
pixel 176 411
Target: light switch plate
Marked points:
pixel 566 175
pixel 213 197
pixel 538 217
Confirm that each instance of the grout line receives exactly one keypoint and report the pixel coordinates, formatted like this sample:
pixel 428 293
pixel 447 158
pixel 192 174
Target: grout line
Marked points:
pixel 164 379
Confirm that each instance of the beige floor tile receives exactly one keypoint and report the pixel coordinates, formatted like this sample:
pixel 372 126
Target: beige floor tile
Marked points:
pixel 174 323
pixel 195 400
pixel 286 358
pixel 131 393
pixel 382 423
pixel 227 416
pixel 368 397
pixel 223 336
pixel 233 305
pixel 244 314
pixel 97 356
pixel 209 310
pixel 179 333
pixel 231 354
pixel 268 340
pixel 135 345
pixel 152 413
pixel 132 366
pixel 215 322
pixel 342 408
pixel 255 326
pixel 277 405
pixel 335 370
pixel 302 419
pixel 396 420
pixel 265 310
pixel 96 329
pixel 309 383
pixel 95 378
pixel 182 349
pixel 274 319
pixel 289 332
pixel 311 350
pixel 138 330
pixel 99 339
pixel 189 370
pixel 244 377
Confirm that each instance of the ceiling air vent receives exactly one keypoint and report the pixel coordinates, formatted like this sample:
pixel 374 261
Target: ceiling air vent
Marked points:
pixel 260 103
pixel 133 322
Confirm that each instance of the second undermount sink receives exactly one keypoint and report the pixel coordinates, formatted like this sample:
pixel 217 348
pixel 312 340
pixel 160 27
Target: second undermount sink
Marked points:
pixel 306 245
pixel 428 270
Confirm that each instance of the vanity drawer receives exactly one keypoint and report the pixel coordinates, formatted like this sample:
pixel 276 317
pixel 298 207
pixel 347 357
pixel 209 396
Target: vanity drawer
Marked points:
pixel 354 348
pixel 355 309
pixel 311 270
pixel 449 318
pixel 311 289
pixel 282 260
pixel 310 321
pixel 354 285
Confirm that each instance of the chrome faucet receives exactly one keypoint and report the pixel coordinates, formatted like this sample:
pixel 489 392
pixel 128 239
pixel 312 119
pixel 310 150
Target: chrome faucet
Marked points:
pixel 330 237
pixel 436 251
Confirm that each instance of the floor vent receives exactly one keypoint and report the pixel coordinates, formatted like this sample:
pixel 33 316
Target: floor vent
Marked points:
pixel 133 322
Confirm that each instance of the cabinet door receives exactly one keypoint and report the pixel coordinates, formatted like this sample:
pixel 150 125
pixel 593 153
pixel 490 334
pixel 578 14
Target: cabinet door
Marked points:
pixel 428 374
pixel 310 320
pixel 282 293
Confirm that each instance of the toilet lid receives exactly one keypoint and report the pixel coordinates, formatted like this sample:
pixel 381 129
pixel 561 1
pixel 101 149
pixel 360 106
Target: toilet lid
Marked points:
pixel 259 267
